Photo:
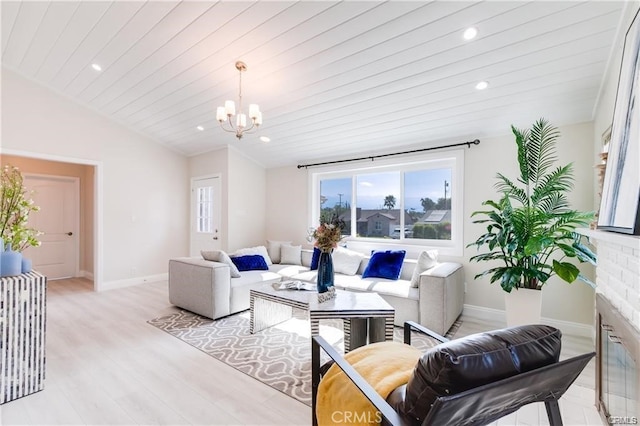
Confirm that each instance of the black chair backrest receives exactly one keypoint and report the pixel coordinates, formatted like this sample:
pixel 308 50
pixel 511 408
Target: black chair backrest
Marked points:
pixel 487 403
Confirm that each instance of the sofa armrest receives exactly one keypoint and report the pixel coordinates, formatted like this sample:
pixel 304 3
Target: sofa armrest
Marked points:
pixel 200 286
pixel 441 296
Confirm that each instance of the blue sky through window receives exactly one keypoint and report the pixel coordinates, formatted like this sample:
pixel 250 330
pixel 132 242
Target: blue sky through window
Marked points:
pixel 373 188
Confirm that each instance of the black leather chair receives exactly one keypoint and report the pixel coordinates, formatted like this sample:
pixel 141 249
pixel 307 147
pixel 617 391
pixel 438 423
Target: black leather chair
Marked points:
pixel 473 380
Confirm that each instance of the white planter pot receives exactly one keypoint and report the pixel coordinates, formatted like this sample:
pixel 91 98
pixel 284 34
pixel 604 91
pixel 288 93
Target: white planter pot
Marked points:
pixel 523 306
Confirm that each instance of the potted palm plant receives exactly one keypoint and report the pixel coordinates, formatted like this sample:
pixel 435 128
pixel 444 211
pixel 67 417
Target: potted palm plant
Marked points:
pixel 531 229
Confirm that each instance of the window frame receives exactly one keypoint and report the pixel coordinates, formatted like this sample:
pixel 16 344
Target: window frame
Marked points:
pixel 453 159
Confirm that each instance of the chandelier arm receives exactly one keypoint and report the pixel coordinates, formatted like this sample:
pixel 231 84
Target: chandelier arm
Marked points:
pixel 231 127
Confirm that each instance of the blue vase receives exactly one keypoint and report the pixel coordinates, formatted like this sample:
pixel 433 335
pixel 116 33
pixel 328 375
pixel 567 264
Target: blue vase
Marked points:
pixel 11 262
pixel 325 272
pixel 27 265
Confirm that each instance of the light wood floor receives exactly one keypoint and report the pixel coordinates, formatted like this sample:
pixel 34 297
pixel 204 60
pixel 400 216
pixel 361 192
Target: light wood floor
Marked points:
pixel 106 365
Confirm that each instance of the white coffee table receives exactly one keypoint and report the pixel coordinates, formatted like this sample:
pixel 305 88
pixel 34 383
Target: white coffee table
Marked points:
pixel 367 317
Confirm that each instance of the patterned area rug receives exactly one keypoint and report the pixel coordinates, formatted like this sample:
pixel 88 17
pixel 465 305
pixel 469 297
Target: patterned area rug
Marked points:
pixel 279 356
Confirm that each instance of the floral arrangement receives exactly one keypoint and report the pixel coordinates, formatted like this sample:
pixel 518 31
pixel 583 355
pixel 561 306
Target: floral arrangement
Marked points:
pixel 15 207
pixel 329 233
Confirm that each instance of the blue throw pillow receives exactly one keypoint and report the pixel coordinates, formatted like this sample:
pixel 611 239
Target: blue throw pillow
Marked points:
pixel 314 259
pixel 385 264
pixel 251 262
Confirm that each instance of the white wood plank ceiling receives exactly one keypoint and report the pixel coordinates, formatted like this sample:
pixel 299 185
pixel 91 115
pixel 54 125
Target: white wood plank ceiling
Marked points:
pixel 333 79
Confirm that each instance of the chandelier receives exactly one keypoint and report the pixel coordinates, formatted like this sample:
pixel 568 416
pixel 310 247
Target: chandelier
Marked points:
pixel 224 114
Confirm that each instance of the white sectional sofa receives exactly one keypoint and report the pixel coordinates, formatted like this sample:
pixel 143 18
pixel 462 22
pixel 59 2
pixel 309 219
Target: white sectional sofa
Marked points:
pixel 207 288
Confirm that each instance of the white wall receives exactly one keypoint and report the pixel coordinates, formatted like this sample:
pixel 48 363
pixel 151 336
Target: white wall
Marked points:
pixel 247 183
pixel 287 205
pixel 287 213
pixel 145 187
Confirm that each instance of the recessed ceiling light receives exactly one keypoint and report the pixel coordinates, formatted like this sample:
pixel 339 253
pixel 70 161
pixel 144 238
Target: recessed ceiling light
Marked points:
pixel 482 85
pixel 200 128
pixel 470 33
pixel 265 139
pixel 96 67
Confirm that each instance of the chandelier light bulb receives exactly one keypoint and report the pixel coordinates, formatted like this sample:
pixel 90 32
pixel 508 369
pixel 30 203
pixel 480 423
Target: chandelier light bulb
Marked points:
pixel 221 114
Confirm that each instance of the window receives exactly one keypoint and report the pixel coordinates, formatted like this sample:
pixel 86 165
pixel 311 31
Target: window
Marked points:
pixel 335 198
pixel 205 209
pixel 415 203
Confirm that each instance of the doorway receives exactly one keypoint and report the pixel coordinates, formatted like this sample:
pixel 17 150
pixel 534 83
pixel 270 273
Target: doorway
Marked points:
pixel 205 214
pixel 89 175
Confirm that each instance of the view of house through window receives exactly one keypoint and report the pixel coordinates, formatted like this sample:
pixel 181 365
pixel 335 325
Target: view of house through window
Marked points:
pixel 398 204
pixel 335 199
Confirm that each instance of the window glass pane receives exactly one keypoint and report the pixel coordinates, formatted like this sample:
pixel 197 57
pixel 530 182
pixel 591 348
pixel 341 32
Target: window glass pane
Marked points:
pixel 335 199
pixel 378 204
pixel 205 209
pixel 427 198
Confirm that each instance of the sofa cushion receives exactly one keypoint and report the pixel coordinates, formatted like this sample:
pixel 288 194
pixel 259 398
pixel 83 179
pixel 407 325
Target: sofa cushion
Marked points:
pixel 250 262
pixel 273 249
pixel 291 255
pixel 288 271
pixel 385 264
pixel 427 260
pixel 309 276
pixel 222 257
pixel 382 286
pixel 475 360
pixel 261 250
pixel 346 261
pixel 254 278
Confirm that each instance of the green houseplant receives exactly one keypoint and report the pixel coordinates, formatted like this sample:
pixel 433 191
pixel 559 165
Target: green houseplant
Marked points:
pixel 15 207
pixel 530 230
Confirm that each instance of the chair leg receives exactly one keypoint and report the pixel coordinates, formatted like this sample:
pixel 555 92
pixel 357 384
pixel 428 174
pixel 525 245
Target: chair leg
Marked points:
pixel 553 412
pixel 315 379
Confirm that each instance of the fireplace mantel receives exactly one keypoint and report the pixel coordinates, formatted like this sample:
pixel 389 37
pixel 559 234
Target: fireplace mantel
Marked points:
pixel 631 241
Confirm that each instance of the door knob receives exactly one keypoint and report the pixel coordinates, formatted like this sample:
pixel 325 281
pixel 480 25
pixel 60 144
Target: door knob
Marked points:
pixel 69 233
pixel 215 238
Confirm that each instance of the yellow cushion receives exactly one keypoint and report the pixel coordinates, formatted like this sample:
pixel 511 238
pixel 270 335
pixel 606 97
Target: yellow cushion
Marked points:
pixel 384 365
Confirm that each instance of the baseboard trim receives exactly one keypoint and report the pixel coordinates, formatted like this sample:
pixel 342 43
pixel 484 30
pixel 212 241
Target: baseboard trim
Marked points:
pixel 112 285
pixel 497 315
pixel 86 274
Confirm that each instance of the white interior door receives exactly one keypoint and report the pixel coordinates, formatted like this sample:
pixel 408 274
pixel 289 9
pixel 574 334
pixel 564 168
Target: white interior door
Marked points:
pixel 205 214
pixel 59 202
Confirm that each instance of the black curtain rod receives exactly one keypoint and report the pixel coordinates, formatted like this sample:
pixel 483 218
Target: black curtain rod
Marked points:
pixel 373 157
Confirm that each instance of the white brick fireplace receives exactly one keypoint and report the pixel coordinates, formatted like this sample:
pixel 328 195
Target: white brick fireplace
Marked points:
pixel 617 326
pixel 618 272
